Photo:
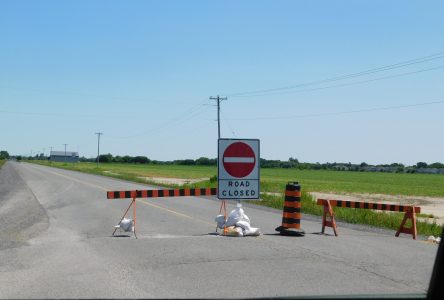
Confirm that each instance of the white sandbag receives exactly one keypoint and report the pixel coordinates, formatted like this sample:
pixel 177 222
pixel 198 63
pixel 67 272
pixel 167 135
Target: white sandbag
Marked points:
pixel 126 224
pixel 220 220
pixel 237 215
pixel 234 231
pixel 247 230
pixel 252 231
pixel 244 225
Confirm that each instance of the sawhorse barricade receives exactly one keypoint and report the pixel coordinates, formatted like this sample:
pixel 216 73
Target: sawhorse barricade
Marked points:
pixel 155 194
pixel 410 213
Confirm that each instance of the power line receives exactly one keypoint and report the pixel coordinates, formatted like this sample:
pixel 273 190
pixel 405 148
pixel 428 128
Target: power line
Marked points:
pixel 435 56
pixel 186 115
pixel 340 112
pixel 66 93
pixel 229 126
pixel 344 84
pixel 63 115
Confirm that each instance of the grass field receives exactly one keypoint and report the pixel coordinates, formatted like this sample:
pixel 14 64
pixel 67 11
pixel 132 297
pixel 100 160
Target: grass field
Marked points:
pixel 274 181
pixel 2 162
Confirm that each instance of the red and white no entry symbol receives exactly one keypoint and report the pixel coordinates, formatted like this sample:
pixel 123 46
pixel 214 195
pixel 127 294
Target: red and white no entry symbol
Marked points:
pixel 239 160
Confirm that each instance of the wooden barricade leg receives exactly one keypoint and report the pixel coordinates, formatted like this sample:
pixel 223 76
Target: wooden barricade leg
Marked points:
pixel 134 216
pixel 412 230
pixel 328 212
pixel 224 207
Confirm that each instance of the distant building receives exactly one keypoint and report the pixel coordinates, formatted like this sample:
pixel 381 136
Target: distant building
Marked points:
pixel 430 171
pixel 62 156
pixel 380 169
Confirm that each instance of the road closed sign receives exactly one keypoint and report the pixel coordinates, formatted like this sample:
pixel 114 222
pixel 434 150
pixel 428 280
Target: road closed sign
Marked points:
pixel 238 169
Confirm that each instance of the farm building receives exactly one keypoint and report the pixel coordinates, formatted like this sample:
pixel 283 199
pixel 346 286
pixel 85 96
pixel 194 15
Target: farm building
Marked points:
pixel 62 156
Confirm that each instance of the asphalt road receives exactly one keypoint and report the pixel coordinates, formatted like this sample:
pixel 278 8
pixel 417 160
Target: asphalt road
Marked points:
pixel 55 242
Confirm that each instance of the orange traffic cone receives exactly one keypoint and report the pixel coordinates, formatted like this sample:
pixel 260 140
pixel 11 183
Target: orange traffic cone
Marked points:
pixel 291 216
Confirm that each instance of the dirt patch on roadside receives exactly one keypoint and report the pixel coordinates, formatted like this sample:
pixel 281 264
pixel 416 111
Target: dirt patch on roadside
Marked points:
pixel 429 205
pixel 178 181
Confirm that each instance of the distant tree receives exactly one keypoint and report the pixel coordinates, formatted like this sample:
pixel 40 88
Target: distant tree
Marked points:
pixel 204 161
pixel 19 158
pixel 117 159
pixel 421 165
pixel 437 165
pixel 264 163
pixel 4 154
pixel 106 158
pixel 304 166
pixel 293 160
pixel 287 165
pixel 396 165
pixel 127 159
pixel 185 162
pixel 316 166
pixel 141 160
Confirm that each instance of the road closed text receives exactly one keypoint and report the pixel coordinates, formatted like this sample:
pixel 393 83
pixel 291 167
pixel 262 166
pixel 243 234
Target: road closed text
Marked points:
pixel 238 189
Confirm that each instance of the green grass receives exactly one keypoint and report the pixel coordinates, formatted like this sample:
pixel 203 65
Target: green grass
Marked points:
pixel 134 172
pixel 356 182
pixel 2 162
pixel 274 180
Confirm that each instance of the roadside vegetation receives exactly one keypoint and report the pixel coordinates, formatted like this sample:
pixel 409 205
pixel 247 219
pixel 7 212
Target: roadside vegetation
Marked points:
pixel 273 181
pixel 4 155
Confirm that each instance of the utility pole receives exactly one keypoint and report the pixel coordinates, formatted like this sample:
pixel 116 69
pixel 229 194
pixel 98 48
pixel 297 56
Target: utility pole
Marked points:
pixel 49 158
pixel 218 100
pixel 65 152
pixel 98 146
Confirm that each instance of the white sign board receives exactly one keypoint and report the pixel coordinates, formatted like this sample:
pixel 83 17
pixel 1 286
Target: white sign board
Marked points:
pixel 238 169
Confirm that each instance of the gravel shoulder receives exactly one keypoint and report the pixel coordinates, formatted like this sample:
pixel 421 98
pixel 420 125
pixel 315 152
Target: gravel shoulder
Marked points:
pixel 22 216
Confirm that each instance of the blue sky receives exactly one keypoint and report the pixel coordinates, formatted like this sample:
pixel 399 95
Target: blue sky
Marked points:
pixel 141 72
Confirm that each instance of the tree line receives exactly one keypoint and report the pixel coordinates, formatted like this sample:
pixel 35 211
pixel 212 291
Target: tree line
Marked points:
pixel 265 163
pixel 293 163
pixel 109 158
